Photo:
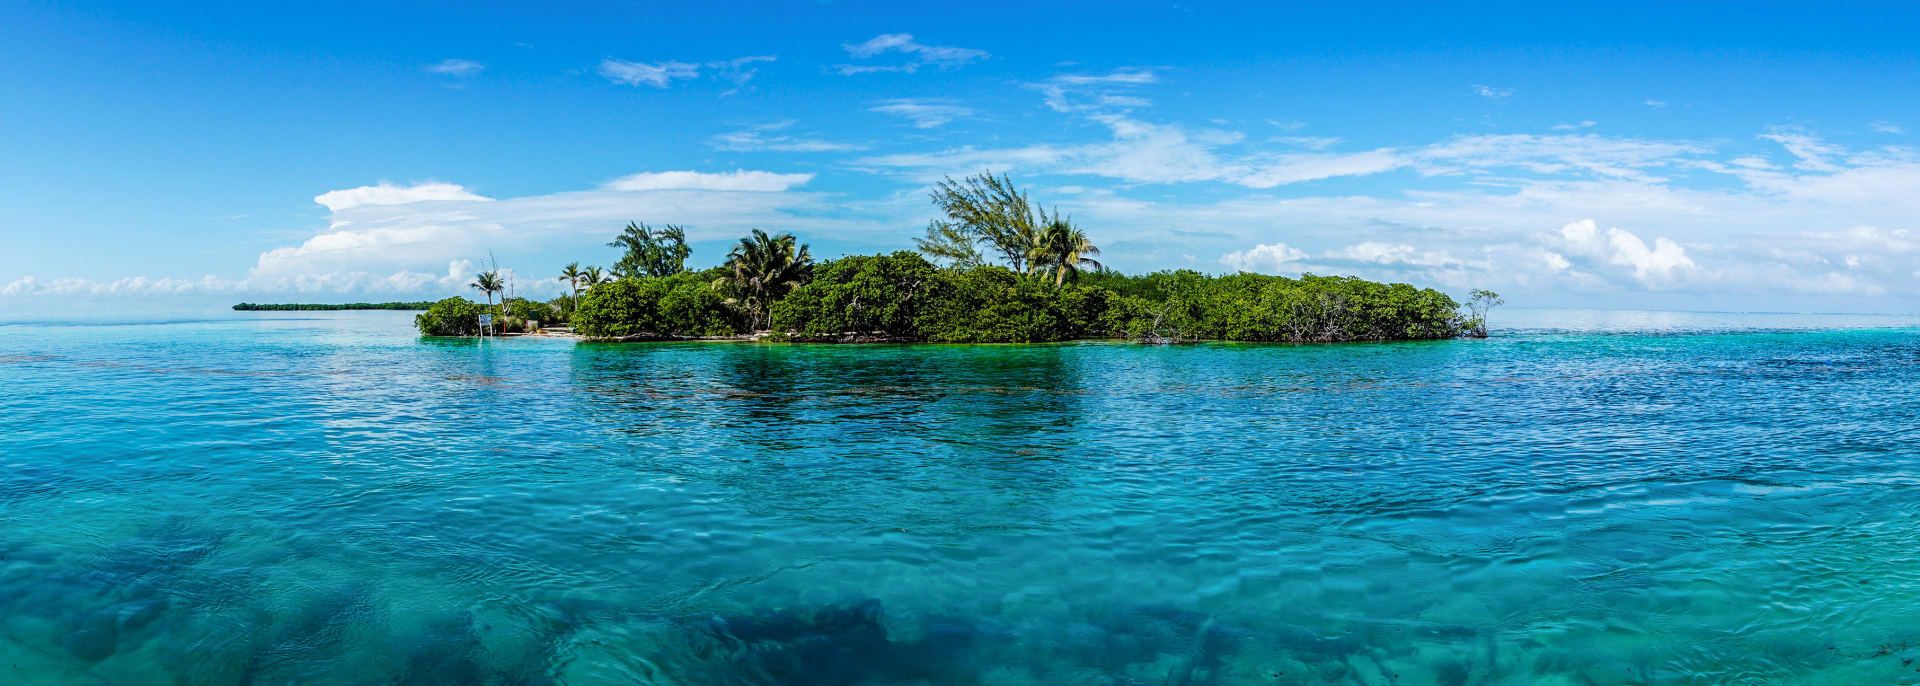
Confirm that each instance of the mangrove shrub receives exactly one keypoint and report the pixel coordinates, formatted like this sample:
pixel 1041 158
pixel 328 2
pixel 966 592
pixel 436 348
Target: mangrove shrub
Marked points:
pixel 455 316
pixel 681 305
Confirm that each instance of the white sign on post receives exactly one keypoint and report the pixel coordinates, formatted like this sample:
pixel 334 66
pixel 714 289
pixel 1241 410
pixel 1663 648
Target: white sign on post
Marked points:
pixel 486 324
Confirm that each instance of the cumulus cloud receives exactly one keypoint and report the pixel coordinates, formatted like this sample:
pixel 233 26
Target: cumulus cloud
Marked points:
pixel 1662 265
pixel 394 248
pixel 1269 258
pixel 918 55
pixel 393 241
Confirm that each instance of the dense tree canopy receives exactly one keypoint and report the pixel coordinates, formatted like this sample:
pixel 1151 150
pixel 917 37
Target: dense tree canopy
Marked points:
pixel 682 305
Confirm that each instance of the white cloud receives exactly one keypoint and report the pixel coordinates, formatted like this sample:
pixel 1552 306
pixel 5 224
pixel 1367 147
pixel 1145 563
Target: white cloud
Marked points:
pixel 656 74
pixel 1268 258
pixel 1132 76
pixel 1656 104
pixel 1660 266
pixel 919 55
pixel 1287 169
pixel 386 193
pixel 1396 253
pixel 389 248
pixel 767 138
pixel 1308 142
pixel 456 68
pixel 737 71
pixel 1144 152
pixel 1090 92
pixel 925 114
pixel 1884 126
pixel 1629 158
pixel 1573 126
pixel 1814 154
pixel 1492 93
pixel 395 245
pixel 737 180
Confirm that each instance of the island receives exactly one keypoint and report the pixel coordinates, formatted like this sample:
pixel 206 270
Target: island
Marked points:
pixel 303 307
pixel 995 268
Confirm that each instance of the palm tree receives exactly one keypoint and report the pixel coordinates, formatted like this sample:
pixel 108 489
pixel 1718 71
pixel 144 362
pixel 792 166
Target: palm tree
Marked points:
pixel 571 274
pixel 1064 248
pixel 487 282
pixel 651 252
pixel 593 276
pixel 764 269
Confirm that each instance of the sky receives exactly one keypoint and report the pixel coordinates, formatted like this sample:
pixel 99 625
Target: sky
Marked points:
pixel 1699 156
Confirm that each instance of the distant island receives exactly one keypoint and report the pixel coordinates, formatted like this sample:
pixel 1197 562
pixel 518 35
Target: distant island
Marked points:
pixel 286 307
pixel 994 268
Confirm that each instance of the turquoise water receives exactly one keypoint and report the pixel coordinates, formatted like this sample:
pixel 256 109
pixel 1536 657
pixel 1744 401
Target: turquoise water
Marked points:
pixel 1592 498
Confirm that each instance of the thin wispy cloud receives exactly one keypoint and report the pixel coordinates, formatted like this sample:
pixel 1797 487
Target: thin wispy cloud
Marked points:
pixel 1887 127
pixel 1656 104
pixel 917 55
pixel 737 71
pixel 923 113
pixel 1573 126
pixel 775 137
pixel 736 180
pixel 456 68
pixel 1088 92
pixel 1492 93
pixel 656 74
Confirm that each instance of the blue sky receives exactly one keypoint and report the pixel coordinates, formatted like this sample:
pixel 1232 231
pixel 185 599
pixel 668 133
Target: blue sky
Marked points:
pixel 1708 156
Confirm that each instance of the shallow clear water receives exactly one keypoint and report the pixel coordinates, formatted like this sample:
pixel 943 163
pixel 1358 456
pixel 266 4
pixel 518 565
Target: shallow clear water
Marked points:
pixel 1589 499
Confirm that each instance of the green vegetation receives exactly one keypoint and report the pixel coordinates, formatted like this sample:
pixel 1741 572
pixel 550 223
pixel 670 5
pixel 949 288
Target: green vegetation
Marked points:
pixel 305 307
pixel 649 252
pixel 761 270
pixel 904 297
pixel 1480 302
pixel 682 305
pixel 455 316
pixel 1048 286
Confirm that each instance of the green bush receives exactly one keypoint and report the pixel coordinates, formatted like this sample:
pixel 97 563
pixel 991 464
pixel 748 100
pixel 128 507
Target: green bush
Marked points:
pixel 993 305
pixel 1255 307
pixel 533 310
pixel 454 316
pixel 902 296
pixel 678 305
pixel 879 294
